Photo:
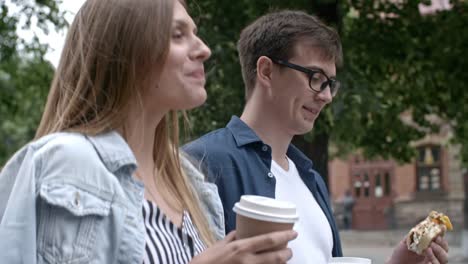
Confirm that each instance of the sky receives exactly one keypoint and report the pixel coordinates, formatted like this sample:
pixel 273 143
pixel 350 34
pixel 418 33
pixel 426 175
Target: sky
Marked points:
pixel 56 40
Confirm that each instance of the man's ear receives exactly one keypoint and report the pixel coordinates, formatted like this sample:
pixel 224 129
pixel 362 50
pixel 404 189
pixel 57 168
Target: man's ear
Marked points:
pixel 264 71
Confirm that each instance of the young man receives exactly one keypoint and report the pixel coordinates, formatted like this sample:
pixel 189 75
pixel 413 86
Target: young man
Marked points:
pixel 288 61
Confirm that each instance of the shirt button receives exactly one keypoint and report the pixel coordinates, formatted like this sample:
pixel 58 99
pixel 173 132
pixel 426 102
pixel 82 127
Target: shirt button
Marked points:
pixel 270 175
pixel 77 199
pixel 265 148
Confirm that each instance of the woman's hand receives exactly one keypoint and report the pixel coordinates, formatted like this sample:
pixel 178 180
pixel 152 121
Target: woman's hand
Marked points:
pixel 254 250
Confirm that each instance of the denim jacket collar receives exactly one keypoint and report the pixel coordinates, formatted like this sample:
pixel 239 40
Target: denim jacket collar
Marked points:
pixel 113 150
pixel 115 154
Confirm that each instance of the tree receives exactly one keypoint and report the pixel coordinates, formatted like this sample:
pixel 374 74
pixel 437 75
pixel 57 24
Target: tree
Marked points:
pixel 24 74
pixel 16 14
pixel 22 96
pixel 396 59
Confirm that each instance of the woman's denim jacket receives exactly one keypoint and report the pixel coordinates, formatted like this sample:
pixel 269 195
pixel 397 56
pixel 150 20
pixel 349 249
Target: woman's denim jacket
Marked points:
pixel 71 198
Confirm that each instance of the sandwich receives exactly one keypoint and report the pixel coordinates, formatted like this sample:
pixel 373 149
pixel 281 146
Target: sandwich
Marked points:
pixel 421 236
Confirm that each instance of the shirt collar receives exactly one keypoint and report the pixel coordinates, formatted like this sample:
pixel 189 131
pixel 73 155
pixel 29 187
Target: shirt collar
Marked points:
pixel 113 150
pixel 242 133
pixel 299 158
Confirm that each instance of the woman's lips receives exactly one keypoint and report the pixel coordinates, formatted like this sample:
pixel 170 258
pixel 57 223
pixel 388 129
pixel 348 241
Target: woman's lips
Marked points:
pixel 197 74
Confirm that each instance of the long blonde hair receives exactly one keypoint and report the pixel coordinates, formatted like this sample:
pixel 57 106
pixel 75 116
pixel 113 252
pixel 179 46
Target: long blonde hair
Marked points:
pixel 112 48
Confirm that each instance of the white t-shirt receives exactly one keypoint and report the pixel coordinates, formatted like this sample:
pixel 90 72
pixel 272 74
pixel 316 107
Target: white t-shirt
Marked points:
pixel 314 243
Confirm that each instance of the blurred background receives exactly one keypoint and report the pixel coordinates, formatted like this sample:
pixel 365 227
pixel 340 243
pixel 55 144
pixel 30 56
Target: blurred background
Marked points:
pixel 392 146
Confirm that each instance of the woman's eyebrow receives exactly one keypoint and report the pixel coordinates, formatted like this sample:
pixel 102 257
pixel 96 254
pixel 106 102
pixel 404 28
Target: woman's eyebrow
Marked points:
pixel 186 25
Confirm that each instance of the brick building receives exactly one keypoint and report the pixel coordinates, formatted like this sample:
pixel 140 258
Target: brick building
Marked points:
pixel 388 194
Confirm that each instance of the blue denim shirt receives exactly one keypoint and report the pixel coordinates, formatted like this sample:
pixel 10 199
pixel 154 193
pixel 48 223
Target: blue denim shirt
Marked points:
pixel 238 162
pixel 71 198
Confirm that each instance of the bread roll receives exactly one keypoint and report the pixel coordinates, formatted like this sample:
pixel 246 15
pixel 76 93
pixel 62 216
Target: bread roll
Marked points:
pixel 421 236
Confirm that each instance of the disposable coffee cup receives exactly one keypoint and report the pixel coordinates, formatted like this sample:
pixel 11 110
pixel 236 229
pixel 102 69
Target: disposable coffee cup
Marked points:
pixel 257 215
pixel 349 260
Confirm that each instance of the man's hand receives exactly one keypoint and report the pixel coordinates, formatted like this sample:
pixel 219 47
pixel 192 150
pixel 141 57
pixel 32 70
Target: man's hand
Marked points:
pixel 436 253
pixel 262 249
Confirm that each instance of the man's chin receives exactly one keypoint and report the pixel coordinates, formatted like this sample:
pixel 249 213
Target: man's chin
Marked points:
pixel 305 129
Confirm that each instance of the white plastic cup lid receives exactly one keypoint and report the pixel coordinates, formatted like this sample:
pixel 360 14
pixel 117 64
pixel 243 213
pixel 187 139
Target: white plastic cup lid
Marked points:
pixel 349 260
pixel 266 209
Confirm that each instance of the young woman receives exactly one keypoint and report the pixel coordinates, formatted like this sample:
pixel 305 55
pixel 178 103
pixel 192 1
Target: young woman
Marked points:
pixel 104 182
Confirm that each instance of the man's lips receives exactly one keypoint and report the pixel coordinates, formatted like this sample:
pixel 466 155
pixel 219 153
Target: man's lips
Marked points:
pixel 312 110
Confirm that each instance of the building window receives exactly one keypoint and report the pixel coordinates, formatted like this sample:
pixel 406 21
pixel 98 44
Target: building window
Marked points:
pixel 429 168
pixel 366 185
pixel 378 191
pixel 388 184
pixel 357 185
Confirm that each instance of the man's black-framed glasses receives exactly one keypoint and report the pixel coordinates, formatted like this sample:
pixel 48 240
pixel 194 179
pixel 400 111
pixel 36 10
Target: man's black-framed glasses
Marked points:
pixel 318 80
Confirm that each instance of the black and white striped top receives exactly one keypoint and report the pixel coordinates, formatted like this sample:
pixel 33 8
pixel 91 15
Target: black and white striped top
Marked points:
pixel 165 242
